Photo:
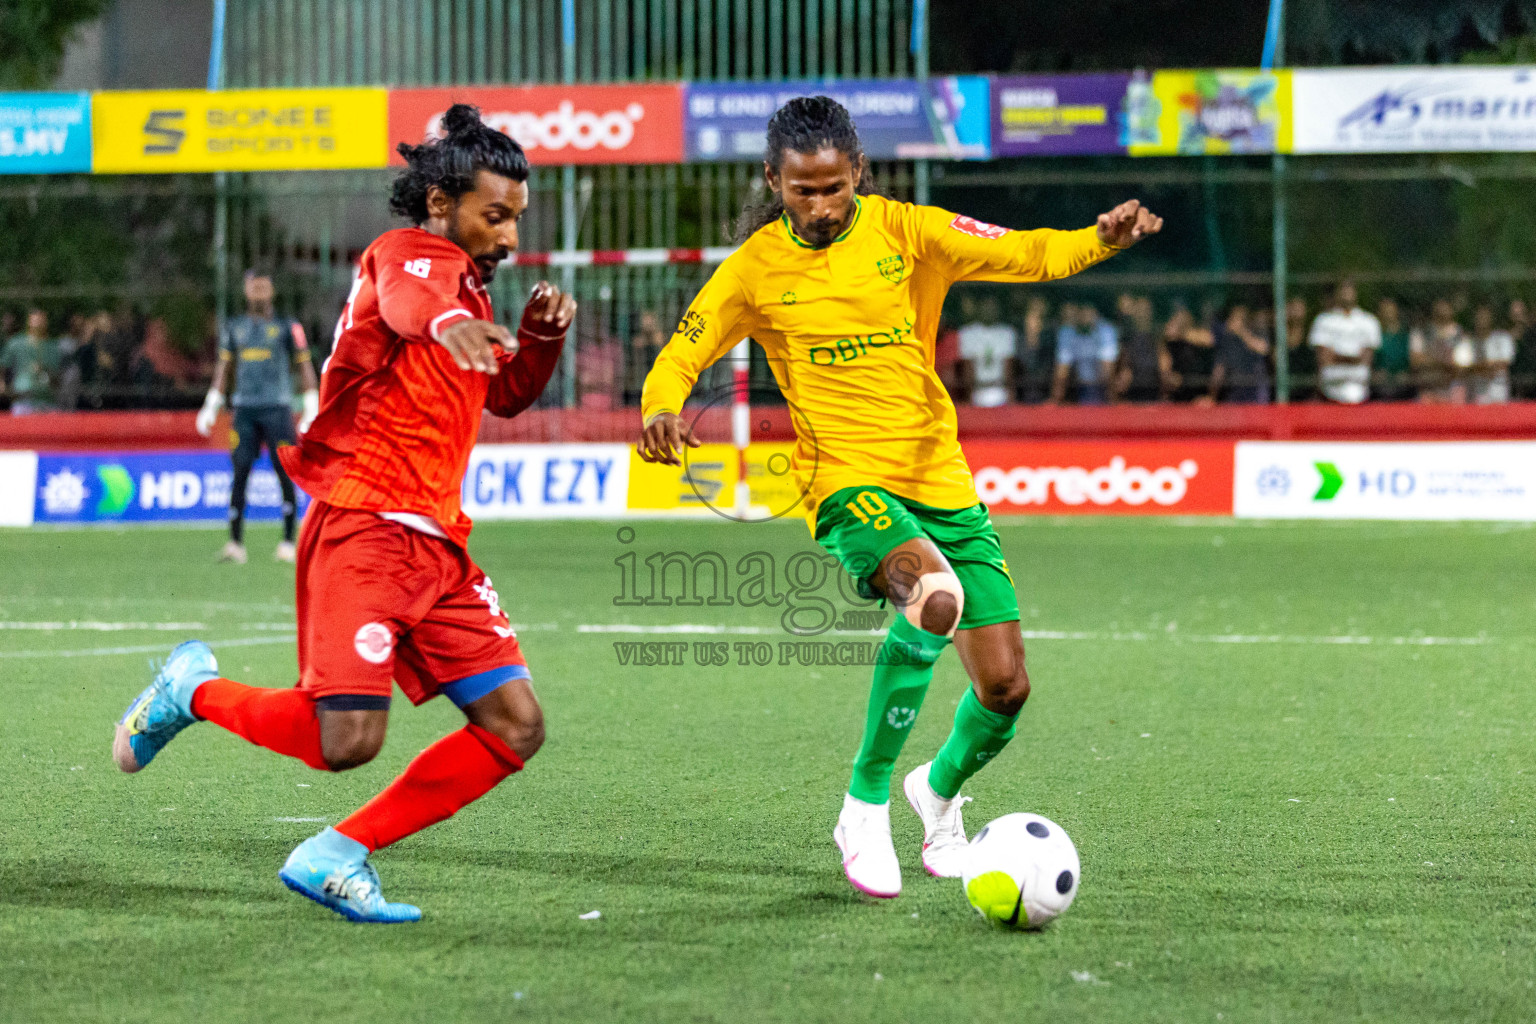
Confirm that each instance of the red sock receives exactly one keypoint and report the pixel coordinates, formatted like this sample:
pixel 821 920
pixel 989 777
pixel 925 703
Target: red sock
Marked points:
pixel 457 770
pixel 280 720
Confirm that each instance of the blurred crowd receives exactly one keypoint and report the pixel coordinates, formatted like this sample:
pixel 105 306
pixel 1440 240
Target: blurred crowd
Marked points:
pixel 102 360
pixel 1449 348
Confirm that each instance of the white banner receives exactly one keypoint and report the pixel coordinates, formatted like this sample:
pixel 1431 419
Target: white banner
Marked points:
pixel 1387 480
pixel 18 484
pixel 1404 110
pixel 546 481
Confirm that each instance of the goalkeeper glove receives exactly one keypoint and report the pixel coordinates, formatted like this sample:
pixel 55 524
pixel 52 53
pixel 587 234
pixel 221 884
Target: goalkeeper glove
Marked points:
pixel 210 411
pixel 311 409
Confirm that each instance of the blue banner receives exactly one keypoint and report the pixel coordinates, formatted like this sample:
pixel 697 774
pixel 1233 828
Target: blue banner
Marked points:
pixel 140 487
pixel 45 132
pixel 945 118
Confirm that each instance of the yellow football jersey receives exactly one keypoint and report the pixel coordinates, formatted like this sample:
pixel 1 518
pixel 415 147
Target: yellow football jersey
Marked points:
pixel 849 331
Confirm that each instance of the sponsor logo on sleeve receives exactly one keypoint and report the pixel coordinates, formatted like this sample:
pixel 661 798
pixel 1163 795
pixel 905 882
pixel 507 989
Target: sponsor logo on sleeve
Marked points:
pixel 421 268
pixel 981 229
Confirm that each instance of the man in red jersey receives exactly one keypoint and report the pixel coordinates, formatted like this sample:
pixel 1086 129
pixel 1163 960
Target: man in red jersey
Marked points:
pixel 386 589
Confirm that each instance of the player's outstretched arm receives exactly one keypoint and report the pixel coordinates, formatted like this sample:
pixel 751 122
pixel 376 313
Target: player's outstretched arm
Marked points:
pixel 663 439
pixel 1127 224
pixel 541 337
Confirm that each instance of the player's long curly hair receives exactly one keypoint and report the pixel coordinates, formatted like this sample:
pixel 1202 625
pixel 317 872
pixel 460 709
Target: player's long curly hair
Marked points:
pixel 468 145
pixel 806 124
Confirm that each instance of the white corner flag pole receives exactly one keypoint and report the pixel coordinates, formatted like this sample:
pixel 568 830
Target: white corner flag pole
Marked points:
pixel 741 422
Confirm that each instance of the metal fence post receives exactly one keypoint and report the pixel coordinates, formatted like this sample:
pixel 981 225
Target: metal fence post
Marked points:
pixel 1274 59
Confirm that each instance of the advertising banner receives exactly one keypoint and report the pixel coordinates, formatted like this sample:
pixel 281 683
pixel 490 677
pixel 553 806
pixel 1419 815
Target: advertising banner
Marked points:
pixel 706 482
pixel 944 118
pixel 18 482
pixel 45 132
pixel 1183 113
pixel 1406 110
pixel 1104 477
pixel 1445 480
pixel 546 481
pixel 141 487
pixel 238 130
pixel 1057 115
pixel 556 124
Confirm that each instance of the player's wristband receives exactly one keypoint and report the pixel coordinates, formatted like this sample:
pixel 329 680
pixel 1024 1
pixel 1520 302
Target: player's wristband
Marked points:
pixel 311 404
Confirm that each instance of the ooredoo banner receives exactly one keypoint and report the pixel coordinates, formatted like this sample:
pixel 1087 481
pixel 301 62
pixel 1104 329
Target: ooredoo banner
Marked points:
pixel 1104 477
pixel 168 486
pixel 556 124
pixel 1404 110
pixel 1362 480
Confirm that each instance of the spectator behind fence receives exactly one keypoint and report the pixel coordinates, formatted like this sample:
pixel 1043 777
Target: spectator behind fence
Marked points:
pixel 1391 378
pixel 1191 356
pixel 1086 350
pixel 1493 352
pixel 1441 353
pixel 32 361
pixel 1143 359
pixel 644 346
pixel 1345 338
pixel 1301 358
pixel 988 353
pixel 600 372
pixel 1241 370
pixel 1522 372
pixel 1037 352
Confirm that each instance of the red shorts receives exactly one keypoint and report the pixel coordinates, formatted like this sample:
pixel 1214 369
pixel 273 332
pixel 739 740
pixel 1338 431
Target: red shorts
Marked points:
pixel 379 601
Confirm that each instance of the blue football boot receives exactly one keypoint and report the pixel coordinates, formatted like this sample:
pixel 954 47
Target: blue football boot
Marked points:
pixel 164 708
pixel 333 870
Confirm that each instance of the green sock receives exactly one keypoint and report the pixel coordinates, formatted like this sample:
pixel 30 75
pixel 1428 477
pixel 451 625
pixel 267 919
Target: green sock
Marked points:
pixel 902 673
pixel 979 735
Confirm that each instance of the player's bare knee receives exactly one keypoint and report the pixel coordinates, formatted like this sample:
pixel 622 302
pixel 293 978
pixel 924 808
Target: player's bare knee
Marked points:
pixel 350 751
pixel 1005 691
pixel 524 735
pixel 936 603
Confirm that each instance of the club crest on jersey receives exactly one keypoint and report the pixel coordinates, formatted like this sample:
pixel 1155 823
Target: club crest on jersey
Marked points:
pixel 981 229
pixel 892 268
pixel 421 268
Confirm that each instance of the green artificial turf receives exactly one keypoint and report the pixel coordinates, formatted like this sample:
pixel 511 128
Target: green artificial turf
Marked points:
pixel 1290 806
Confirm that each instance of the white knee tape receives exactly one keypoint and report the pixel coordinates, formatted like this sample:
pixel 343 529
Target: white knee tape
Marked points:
pixel 927 585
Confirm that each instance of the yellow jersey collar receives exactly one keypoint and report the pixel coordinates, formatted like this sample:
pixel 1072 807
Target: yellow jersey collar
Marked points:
pixel 858 208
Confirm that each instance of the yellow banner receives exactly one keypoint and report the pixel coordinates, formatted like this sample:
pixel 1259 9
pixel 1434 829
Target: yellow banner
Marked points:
pixel 1191 113
pixel 239 130
pixel 708 481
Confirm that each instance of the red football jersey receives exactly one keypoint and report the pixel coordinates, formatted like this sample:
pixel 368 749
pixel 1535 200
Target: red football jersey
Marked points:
pixel 398 418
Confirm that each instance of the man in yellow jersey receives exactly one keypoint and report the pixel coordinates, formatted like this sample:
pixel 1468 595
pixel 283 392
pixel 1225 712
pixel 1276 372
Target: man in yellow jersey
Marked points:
pixel 842 288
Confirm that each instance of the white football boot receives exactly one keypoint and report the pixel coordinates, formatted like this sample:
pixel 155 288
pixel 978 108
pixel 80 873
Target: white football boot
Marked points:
pixel 233 551
pixel 944 842
pixel 286 552
pixel 863 833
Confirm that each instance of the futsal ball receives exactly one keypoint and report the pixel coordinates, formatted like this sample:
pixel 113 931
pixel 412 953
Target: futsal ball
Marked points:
pixel 1022 871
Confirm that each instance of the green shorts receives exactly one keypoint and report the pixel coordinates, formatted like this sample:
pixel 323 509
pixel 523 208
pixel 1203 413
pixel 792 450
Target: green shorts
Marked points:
pixel 861 525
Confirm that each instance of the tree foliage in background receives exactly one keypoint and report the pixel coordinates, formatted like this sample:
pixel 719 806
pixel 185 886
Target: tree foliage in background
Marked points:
pixel 33 34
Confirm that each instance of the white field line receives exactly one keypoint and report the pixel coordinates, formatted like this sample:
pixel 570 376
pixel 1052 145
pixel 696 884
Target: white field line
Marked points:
pixel 1095 636
pixel 101 652
pixel 107 627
